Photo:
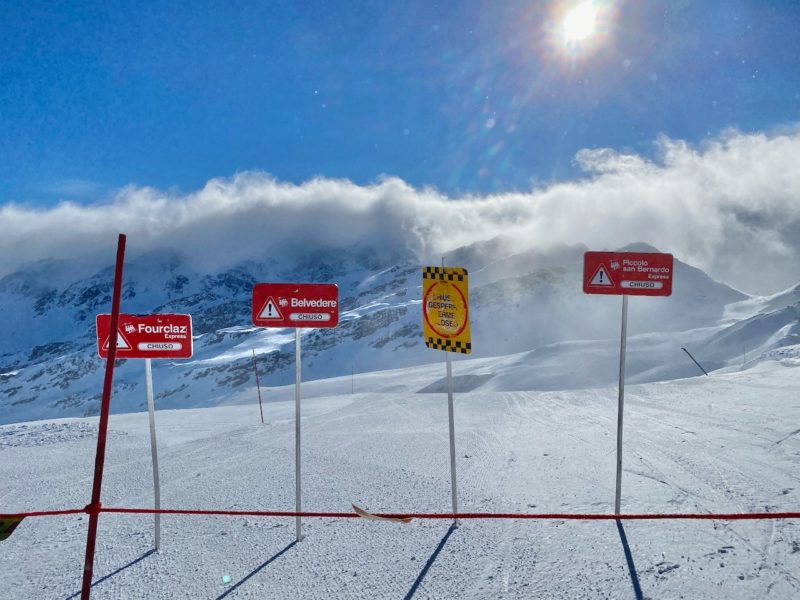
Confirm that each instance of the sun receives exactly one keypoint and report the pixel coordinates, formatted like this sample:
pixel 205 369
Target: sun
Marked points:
pixel 580 33
pixel 579 23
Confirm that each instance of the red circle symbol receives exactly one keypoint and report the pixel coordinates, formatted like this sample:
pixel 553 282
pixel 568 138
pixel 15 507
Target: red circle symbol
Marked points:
pixel 463 303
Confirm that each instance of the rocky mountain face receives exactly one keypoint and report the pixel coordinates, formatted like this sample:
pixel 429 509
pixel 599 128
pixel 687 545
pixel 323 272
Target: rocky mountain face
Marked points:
pixel 518 301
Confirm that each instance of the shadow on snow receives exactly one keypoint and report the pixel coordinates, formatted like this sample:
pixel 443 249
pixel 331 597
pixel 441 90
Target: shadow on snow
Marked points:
pixel 102 579
pixel 637 590
pixel 256 570
pixel 430 562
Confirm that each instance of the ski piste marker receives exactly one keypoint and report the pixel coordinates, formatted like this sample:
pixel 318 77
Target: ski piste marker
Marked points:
pixel 365 515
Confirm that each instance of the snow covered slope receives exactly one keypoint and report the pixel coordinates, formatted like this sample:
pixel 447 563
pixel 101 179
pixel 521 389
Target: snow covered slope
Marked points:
pixel 725 443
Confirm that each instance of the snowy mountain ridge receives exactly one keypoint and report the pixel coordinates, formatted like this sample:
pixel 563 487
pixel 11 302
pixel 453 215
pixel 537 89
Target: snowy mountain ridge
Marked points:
pixel 526 306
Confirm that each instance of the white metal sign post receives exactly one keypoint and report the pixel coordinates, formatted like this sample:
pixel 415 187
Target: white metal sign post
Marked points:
pixel 624 274
pixel 621 401
pixel 151 410
pixel 296 305
pixel 298 502
pixel 452 427
pixel 451 422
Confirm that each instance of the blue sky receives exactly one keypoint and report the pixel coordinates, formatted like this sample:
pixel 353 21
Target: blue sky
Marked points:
pixel 463 96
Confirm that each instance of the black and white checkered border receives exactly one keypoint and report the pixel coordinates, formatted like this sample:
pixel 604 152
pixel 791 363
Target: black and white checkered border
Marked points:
pixel 448 345
pixel 444 273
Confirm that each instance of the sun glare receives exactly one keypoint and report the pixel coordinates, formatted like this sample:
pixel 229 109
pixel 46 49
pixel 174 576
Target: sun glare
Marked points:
pixel 579 23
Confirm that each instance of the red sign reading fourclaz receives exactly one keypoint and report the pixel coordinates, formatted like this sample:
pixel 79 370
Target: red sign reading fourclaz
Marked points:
pixel 148 336
pixel 628 273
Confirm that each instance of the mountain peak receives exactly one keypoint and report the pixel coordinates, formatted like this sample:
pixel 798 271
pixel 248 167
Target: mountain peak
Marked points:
pixel 639 247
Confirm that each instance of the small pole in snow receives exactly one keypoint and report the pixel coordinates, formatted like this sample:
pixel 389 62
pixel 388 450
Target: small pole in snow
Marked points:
pixel 695 362
pixel 352 380
pixel 258 386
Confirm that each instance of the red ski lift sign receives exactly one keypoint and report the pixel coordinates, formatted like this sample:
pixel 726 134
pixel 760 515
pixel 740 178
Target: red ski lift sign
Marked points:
pixel 628 273
pixel 147 336
pixel 295 305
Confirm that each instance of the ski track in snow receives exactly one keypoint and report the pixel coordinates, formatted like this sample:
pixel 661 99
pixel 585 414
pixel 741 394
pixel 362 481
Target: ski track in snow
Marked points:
pixel 726 443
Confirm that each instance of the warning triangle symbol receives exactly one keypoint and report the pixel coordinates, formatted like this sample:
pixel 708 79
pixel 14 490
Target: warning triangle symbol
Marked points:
pixel 122 343
pixel 270 310
pixel 601 277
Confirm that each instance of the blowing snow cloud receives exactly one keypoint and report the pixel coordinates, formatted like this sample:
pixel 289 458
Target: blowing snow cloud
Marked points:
pixel 731 207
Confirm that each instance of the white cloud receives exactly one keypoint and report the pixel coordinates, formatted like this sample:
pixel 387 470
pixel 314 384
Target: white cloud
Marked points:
pixel 731 207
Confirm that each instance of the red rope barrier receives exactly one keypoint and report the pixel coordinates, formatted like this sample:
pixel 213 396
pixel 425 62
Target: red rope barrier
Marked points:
pixel 477 515
pixel 42 513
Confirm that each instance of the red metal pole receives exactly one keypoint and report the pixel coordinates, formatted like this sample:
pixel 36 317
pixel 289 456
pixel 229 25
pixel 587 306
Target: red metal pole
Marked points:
pixel 94 508
pixel 258 386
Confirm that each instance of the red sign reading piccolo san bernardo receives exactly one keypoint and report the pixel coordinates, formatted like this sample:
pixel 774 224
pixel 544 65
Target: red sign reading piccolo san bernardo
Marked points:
pixel 628 273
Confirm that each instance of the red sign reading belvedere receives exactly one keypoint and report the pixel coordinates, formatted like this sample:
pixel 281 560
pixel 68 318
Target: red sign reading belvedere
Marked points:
pixel 629 273
pixel 148 336
pixel 295 305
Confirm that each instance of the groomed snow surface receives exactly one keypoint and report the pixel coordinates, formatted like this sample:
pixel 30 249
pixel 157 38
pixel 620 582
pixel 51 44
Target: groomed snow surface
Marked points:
pixel 724 443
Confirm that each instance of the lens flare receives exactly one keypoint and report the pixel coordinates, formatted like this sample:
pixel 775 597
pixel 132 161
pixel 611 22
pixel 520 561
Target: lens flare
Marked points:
pixel 579 23
pixel 579 34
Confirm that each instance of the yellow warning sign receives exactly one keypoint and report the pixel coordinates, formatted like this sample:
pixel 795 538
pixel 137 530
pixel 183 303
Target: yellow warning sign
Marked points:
pixel 445 309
